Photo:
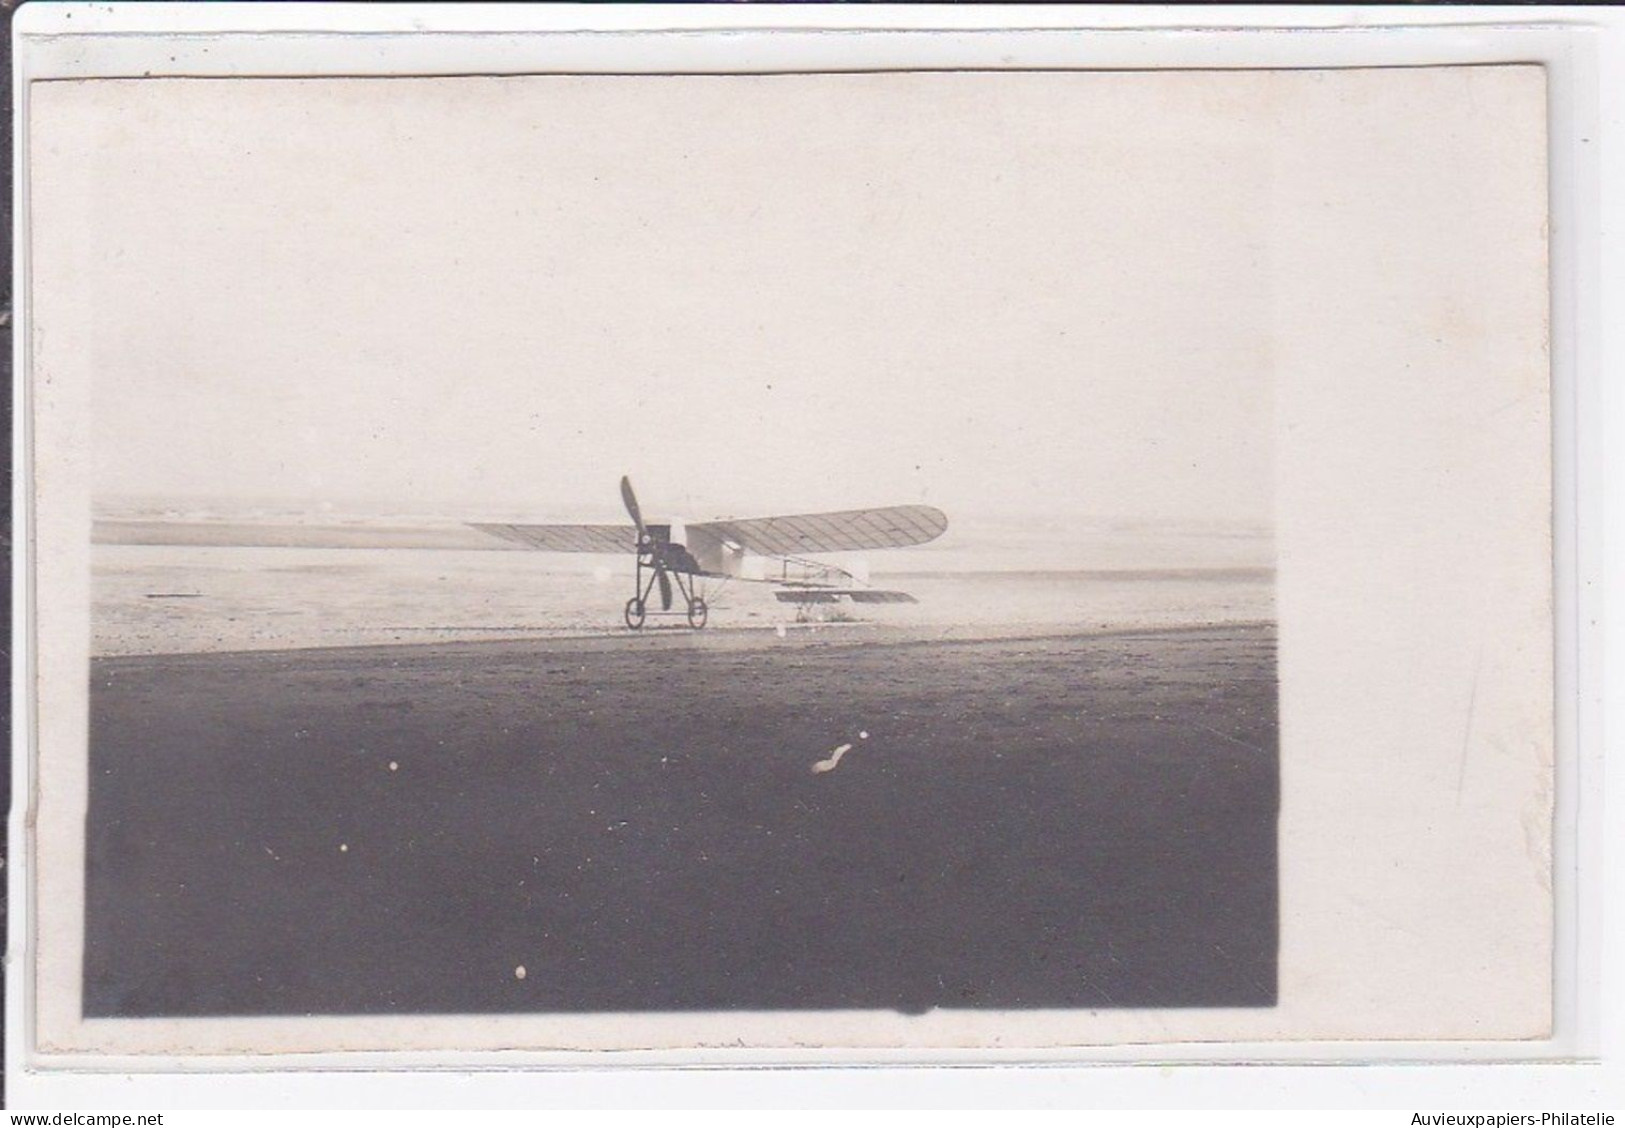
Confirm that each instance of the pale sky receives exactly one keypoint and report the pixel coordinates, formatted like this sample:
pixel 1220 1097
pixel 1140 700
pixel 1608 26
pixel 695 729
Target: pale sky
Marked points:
pixel 996 294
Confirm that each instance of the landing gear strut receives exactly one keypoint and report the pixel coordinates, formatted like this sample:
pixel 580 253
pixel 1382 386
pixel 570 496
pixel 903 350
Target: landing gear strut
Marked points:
pixel 637 608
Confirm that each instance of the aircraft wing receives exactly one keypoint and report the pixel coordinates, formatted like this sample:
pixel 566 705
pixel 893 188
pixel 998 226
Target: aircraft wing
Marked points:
pixel 851 530
pixel 567 538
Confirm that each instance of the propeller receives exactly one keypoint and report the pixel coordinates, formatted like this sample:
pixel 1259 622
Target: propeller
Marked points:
pixel 631 501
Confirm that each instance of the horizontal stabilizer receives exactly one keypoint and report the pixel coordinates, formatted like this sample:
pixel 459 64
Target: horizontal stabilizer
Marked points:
pixel 831 595
pixel 872 596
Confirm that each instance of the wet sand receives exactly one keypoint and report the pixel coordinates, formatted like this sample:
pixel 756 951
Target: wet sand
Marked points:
pixel 1078 820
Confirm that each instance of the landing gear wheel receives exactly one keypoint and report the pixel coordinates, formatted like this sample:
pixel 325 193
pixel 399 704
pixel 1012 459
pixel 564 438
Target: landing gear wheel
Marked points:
pixel 634 612
pixel 697 613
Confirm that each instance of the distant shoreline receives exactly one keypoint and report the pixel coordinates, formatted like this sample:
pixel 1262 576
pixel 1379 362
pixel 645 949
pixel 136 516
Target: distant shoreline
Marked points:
pixel 736 638
pixel 249 534
pixel 158 534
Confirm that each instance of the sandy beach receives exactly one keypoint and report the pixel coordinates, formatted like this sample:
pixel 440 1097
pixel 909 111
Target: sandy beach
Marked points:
pixel 1065 820
pixel 178 598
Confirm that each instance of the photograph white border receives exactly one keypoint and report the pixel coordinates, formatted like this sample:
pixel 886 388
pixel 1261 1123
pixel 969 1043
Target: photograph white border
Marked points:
pixel 319 39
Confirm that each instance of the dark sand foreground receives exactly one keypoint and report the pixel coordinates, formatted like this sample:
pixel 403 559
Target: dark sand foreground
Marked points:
pixel 1066 821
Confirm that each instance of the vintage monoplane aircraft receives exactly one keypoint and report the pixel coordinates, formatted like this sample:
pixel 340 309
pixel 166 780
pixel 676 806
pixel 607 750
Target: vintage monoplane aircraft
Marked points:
pixel 761 549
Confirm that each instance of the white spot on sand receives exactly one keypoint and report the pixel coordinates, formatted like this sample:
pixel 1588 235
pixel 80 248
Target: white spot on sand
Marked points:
pixel 519 972
pixel 394 767
pixel 834 759
pixel 863 736
pixel 344 847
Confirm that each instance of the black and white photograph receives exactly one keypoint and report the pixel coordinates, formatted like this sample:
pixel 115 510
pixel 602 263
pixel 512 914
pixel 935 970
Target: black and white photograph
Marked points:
pixel 577 547
pixel 720 563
